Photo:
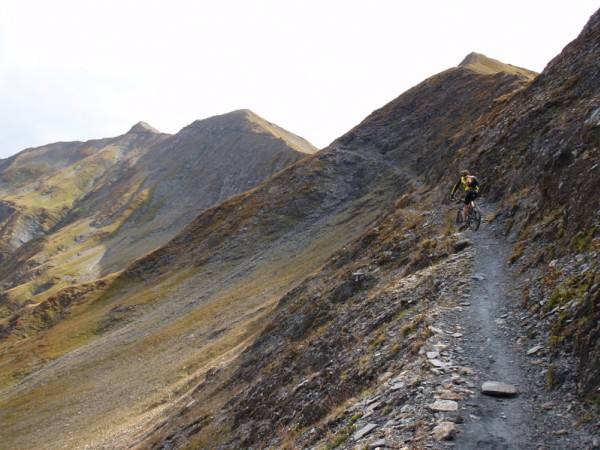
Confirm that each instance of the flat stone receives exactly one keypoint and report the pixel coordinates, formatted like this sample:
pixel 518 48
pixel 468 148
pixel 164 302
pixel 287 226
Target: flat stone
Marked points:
pixel 378 443
pixel 466 370
pixel 407 408
pixel 498 389
pixel 534 350
pixel 444 406
pixel 435 330
pixel 433 355
pixel 375 406
pixel 397 386
pixel 439 363
pixel 373 400
pixel 461 245
pixel 447 394
pixel 548 405
pixel 445 431
pixel 364 431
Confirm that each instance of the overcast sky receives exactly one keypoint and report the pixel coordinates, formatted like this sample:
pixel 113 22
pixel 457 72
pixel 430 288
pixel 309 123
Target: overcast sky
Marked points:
pixel 79 70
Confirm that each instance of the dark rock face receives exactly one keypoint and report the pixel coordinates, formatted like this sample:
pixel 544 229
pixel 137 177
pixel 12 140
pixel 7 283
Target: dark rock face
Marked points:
pixel 540 152
pixel 424 128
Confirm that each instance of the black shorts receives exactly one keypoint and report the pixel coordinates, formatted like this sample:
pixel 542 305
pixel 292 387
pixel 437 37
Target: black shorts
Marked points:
pixel 471 195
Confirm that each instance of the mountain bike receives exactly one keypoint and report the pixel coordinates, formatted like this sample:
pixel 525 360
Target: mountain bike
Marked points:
pixel 473 216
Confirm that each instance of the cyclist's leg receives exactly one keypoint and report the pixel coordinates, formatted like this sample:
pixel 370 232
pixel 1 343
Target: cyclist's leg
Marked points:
pixel 474 196
pixel 469 203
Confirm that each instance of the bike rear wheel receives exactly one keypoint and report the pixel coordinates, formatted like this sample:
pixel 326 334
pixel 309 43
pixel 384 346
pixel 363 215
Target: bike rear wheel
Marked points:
pixel 474 218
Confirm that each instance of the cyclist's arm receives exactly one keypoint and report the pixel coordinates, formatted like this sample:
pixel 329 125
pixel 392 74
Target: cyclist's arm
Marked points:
pixel 455 188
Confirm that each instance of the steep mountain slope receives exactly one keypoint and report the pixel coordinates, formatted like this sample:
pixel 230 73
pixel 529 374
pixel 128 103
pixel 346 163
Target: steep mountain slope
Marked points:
pixel 77 211
pixel 41 186
pixel 196 303
pixel 541 151
pixel 210 161
pixel 364 315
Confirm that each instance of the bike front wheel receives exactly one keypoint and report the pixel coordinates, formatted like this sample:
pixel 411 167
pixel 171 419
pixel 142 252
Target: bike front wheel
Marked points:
pixel 474 219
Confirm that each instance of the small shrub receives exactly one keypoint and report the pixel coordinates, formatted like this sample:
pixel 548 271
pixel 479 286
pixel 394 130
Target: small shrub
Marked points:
pixel 554 378
pixel 354 418
pixel 408 328
pixel 525 297
pixel 416 346
pixel 380 339
pixel 518 252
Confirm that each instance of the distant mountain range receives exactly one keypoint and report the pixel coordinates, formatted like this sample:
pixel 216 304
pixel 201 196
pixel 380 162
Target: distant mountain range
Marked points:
pixel 77 211
pixel 231 287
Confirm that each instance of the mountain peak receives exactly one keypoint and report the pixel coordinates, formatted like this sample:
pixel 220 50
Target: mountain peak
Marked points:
pixel 487 66
pixel 245 119
pixel 142 127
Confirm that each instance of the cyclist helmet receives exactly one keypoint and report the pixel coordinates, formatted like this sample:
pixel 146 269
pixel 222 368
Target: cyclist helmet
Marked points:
pixel 464 173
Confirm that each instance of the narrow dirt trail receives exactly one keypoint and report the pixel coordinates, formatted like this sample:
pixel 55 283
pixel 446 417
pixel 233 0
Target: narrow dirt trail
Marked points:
pixel 491 333
pixel 492 422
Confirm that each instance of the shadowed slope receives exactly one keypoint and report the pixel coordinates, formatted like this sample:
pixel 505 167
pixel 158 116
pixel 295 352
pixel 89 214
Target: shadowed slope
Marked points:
pixel 540 153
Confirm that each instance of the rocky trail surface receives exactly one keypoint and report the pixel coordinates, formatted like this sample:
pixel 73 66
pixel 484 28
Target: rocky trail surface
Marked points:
pixel 480 379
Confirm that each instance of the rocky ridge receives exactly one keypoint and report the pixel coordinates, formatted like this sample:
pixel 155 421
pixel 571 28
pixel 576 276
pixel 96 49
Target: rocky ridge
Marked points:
pixel 488 66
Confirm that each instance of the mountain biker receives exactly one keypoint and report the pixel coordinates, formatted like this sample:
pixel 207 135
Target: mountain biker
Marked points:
pixel 471 185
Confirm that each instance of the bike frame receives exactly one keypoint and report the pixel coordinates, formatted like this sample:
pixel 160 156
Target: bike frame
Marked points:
pixel 473 215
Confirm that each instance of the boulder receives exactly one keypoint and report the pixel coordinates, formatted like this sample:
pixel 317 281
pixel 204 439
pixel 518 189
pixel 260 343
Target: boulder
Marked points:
pixel 499 389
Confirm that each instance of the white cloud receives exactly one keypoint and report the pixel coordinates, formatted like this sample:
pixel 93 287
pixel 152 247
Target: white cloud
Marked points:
pixel 76 70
